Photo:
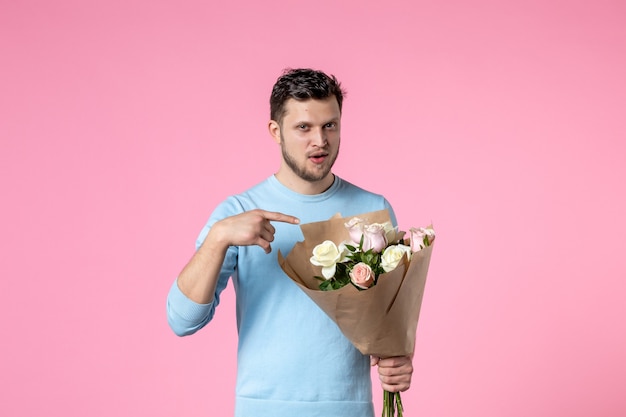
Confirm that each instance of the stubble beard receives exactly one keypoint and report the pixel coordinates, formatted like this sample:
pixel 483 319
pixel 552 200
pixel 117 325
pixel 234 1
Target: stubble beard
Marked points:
pixel 301 171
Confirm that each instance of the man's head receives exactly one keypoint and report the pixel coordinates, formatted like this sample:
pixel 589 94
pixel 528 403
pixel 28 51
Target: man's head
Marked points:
pixel 306 123
pixel 302 84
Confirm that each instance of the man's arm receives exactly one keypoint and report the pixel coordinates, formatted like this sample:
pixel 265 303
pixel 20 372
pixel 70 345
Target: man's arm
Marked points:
pixel 198 279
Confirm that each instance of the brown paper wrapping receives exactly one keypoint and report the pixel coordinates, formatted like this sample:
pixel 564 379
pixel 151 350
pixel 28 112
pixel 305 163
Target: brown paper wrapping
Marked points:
pixel 381 320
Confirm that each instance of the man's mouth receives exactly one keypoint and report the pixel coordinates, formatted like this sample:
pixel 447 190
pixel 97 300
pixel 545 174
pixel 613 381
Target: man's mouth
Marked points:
pixel 318 158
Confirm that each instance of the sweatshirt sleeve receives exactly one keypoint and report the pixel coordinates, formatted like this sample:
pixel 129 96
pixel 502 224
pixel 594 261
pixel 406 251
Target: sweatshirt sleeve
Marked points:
pixel 184 315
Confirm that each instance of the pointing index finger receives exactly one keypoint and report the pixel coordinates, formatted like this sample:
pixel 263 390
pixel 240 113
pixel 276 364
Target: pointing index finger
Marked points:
pixel 280 217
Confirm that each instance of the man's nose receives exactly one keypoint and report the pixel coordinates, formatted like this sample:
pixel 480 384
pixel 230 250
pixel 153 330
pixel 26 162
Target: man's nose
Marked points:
pixel 319 137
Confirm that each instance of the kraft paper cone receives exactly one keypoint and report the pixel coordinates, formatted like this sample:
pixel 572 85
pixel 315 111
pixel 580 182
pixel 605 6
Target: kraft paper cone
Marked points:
pixel 381 320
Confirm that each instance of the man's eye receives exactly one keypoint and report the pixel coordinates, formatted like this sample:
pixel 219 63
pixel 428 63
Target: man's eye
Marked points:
pixel 330 125
pixel 302 127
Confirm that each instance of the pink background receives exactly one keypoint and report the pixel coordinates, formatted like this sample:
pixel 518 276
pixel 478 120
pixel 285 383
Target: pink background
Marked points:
pixel 123 123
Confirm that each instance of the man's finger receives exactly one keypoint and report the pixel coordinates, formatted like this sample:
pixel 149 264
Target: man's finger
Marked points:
pixel 267 235
pixel 264 244
pixel 279 217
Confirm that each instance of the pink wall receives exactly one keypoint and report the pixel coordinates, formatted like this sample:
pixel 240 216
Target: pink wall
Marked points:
pixel 123 123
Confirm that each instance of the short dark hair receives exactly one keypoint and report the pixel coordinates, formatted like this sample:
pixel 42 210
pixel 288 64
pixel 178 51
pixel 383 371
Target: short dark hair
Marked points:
pixel 303 84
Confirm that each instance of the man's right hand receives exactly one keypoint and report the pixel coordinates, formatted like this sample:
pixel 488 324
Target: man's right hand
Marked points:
pixel 249 228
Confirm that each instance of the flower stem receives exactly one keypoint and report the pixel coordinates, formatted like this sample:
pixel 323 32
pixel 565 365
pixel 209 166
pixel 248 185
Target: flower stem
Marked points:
pixel 392 404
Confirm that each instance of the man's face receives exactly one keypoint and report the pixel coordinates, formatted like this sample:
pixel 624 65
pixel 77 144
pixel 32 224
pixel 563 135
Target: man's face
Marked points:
pixel 310 136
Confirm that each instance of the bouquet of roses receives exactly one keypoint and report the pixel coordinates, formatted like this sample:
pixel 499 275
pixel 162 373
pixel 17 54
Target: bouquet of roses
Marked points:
pixel 368 279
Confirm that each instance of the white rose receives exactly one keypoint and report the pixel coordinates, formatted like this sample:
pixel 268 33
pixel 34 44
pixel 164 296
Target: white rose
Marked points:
pixel 392 255
pixel 326 255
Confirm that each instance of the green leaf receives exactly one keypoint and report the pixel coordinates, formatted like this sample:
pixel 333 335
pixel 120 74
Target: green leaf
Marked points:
pixel 326 285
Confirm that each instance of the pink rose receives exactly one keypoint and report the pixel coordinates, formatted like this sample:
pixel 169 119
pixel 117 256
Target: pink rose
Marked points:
pixel 421 237
pixel 374 237
pixel 362 275
pixel 355 228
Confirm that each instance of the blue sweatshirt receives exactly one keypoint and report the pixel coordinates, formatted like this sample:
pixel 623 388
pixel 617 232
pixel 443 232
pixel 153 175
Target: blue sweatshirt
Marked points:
pixel 292 359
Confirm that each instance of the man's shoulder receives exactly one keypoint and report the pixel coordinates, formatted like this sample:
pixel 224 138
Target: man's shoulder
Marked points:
pixel 362 200
pixel 262 188
pixel 347 186
pixel 244 200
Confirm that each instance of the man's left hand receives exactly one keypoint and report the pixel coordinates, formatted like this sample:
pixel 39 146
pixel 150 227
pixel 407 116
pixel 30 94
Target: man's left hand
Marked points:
pixel 394 373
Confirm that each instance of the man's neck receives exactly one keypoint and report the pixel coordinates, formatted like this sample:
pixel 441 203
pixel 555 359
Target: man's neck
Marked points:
pixel 305 187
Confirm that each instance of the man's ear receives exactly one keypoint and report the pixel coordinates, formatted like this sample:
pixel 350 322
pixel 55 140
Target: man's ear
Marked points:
pixel 274 129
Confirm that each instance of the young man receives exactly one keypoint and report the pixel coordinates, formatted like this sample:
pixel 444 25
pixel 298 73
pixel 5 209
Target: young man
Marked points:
pixel 292 359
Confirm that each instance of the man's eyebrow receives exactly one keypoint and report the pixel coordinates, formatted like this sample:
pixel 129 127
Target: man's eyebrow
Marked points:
pixel 309 123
